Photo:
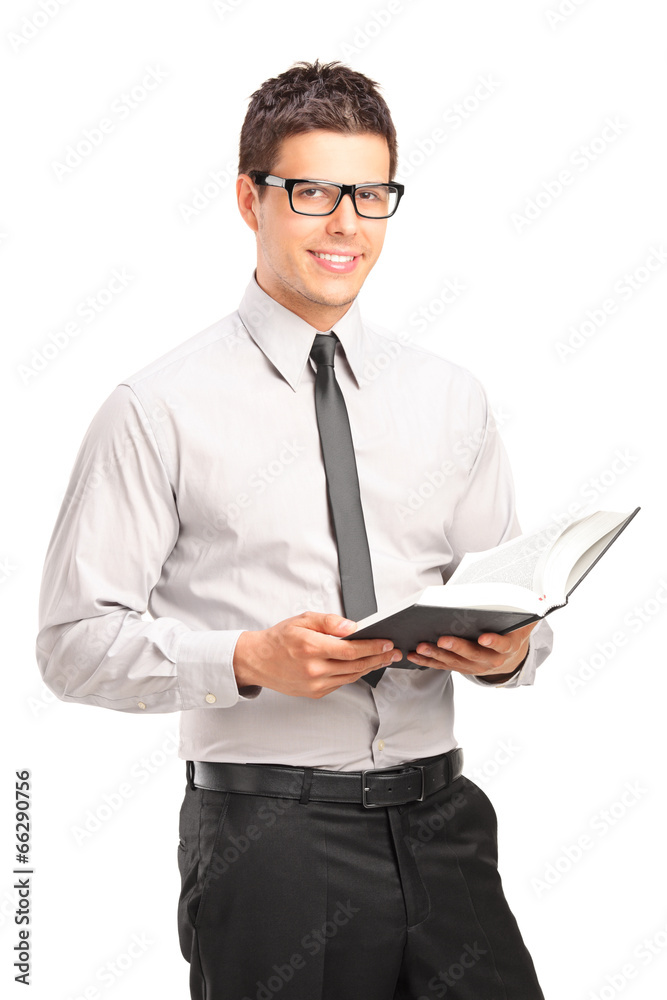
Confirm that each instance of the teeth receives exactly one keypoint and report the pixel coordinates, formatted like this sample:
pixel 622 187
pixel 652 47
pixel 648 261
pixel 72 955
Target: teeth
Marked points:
pixel 332 256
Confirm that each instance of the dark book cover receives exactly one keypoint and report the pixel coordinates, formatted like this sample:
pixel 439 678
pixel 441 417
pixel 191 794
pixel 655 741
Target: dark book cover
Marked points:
pixel 421 623
pixel 426 623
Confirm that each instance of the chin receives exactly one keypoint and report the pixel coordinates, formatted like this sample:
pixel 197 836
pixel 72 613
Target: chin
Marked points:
pixel 339 298
pixel 335 292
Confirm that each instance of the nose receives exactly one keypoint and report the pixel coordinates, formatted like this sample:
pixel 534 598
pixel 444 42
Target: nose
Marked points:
pixel 344 218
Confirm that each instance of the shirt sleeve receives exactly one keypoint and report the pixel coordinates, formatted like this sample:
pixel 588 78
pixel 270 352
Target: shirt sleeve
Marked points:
pixel 116 527
pixel 485 516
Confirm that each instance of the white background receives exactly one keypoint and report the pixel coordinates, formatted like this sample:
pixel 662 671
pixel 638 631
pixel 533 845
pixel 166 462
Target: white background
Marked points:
pixel 583 426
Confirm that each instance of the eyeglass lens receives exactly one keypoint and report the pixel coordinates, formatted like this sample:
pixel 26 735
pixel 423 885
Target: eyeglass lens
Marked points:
pixel 319 199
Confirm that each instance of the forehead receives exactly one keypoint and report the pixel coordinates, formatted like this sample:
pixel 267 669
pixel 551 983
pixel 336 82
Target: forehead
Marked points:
pixel 346 158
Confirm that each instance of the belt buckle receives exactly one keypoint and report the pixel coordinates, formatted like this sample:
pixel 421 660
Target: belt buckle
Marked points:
pixel 381 805
pixel 364 789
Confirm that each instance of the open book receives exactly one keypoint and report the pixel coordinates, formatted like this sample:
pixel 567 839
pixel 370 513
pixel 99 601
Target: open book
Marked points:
pixel 501 589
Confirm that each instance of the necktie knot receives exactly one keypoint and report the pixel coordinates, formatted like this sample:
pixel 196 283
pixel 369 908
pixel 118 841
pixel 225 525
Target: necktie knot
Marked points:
pixel 323 349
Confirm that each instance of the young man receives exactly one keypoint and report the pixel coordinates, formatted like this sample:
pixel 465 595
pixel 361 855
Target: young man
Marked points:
pixel 330 846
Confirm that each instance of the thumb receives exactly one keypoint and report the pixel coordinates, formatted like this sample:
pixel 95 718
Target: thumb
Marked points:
pixel 345 626
pixel 336 625
pixel 327 624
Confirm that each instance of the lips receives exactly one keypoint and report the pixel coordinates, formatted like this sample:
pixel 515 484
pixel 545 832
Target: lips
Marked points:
pixel 335 263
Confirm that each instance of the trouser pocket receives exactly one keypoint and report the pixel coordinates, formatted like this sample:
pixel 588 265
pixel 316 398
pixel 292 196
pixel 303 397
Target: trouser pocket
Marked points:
pixel 201 822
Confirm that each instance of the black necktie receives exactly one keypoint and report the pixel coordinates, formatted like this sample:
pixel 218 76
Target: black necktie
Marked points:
pixel 354 561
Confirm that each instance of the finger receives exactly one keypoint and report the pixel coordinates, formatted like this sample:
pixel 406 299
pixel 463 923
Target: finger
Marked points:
pixel 362 665
pixel 450 662
pixel 464 653
pixel 477 652
pixel 352 678
pixel 359 649
pixel 337 680
pixel 342 628
pixel 499 643
pixel 366 663
pixel 332 647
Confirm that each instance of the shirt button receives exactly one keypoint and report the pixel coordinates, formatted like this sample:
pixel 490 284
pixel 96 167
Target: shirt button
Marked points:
pixel 140 704
pixel 380 744
pixel 210 698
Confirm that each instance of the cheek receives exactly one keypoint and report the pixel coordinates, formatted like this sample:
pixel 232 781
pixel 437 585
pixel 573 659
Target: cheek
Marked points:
pixel 294 239
pixel 375 239
pixel 282 234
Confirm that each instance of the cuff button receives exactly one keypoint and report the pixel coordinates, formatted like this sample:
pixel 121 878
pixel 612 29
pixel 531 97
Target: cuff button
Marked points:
pixel 210 698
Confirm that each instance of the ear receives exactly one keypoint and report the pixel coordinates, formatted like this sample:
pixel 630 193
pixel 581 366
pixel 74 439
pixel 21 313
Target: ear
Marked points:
pixel 248 201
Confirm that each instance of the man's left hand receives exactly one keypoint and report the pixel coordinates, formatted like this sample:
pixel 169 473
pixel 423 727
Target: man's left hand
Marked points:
pixel 494 656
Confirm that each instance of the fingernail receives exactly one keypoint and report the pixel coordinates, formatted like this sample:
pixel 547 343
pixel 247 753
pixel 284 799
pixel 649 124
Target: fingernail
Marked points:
pixel 387 646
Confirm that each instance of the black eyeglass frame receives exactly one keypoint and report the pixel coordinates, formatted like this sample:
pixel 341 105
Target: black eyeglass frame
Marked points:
pixel 272 180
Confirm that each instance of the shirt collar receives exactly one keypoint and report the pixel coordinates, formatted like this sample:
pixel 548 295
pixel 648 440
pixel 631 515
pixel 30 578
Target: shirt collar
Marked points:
pixel 286 339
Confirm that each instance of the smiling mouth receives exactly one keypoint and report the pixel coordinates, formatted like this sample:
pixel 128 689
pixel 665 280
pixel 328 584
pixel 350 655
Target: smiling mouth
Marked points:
pixel 335 264
pixel 337 258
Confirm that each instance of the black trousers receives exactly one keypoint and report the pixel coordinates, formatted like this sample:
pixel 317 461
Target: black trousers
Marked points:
pixel 328 901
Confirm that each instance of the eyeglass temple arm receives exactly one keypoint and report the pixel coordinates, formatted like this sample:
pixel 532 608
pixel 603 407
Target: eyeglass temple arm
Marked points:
pixel 269 179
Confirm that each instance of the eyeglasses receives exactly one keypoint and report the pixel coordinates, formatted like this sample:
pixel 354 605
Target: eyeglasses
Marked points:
pixel 309 197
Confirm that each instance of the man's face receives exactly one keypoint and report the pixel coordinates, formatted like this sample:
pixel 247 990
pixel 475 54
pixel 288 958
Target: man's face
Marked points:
pixel 288 267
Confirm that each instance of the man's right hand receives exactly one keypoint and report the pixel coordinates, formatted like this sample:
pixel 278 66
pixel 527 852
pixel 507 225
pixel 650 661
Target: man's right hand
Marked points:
pixel 305 656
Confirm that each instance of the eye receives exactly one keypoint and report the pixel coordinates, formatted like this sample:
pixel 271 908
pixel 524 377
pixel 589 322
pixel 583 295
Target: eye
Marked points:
pixel 311 191
pixel 372 195
pixel 321 196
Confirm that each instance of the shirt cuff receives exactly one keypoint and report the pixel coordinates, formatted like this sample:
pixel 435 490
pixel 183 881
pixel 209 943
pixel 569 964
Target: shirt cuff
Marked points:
pixel 541 643
pixel 205 670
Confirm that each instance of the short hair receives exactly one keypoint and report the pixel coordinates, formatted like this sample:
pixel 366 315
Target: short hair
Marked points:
pixel 310 96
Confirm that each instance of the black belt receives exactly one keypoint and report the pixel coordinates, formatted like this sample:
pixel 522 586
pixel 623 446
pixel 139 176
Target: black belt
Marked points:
pixel 393 786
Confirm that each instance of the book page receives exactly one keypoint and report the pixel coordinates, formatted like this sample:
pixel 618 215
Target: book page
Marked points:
pixel 518 561
pixel 579 546
pixel 483 596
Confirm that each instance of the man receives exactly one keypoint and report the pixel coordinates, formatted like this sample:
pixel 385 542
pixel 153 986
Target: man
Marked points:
pixel 330 846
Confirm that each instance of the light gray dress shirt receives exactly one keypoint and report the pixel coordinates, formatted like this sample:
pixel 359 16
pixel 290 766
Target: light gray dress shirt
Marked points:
pixel 197 508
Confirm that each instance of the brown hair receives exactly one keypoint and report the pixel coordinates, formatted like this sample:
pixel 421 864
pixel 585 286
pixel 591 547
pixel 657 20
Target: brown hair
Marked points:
pixel 310 96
